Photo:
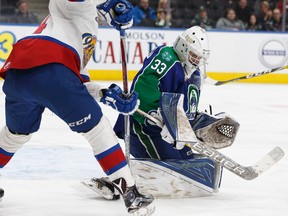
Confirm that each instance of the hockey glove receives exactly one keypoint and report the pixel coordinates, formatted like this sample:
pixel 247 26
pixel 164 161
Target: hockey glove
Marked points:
pixel 167 137
pixel 114 97
pixel 117 13
pixel 157 118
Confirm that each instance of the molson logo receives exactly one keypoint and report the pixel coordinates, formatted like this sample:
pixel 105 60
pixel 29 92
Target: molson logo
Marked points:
pixel 7 39
pixel 273 52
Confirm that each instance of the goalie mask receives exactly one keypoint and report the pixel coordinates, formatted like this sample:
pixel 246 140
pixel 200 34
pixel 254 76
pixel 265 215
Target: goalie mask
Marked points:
pixel 192 48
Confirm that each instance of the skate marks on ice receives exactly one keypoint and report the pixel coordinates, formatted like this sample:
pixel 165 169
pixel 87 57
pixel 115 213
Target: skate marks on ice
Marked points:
pixel 43 178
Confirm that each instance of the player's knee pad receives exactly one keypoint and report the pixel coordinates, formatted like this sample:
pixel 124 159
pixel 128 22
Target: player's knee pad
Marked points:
pixel 218 130
pixel 102 136
pixel 12 142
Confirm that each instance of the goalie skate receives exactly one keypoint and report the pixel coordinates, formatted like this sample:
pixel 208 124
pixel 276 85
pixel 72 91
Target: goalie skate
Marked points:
pixel 103 187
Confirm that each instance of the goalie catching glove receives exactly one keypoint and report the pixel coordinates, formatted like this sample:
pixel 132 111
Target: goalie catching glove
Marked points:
pixel 117 13
pixel 218 131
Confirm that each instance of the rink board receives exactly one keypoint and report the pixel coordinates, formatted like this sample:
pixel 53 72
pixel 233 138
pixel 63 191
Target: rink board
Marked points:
pixel 276 78
pixel 232 53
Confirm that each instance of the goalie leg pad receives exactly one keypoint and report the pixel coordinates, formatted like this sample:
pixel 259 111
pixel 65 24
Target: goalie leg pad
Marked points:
pixel 177 178
pixel 218 131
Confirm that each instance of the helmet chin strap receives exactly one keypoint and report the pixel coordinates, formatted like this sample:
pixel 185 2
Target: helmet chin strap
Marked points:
pixel 189 70
pixel 204 74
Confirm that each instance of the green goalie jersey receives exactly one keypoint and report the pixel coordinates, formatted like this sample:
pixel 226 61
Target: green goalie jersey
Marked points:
pixel 162 71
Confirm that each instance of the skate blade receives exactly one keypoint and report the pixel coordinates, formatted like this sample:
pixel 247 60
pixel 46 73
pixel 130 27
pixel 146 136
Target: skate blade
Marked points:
pixel 104 192
pixel 145 211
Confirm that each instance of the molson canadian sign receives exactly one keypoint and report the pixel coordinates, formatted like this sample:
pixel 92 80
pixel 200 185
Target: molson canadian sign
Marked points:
pixel 233 54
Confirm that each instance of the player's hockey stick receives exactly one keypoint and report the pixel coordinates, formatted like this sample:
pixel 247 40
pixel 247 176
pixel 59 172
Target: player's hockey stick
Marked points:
pixel 249 76
pixel 126 91
pixel 245 172
pixel 120 7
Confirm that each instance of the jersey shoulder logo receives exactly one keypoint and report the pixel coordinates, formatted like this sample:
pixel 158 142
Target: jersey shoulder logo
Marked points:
pixel 89 42
pixel 167 56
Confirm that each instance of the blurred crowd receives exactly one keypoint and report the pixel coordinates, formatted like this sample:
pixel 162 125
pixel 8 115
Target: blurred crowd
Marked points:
pixel 17 11
pixel 251 15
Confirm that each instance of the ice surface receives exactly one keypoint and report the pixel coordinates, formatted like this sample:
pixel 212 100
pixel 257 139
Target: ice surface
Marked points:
pixel 44 176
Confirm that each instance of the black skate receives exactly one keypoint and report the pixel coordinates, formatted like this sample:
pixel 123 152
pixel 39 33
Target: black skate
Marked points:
pixel 136 203
pixel 103 187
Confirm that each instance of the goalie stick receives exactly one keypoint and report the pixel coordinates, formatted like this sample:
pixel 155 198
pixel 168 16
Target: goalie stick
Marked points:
pixel 249 76
pixel 245 172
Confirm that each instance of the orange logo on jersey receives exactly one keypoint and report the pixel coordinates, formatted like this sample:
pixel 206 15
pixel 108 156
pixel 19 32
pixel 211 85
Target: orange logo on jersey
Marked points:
pixel 89 42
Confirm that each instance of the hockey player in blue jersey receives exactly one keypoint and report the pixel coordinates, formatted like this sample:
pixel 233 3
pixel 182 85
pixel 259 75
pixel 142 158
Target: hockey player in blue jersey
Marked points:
pixel 47 70
pixel 173 69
